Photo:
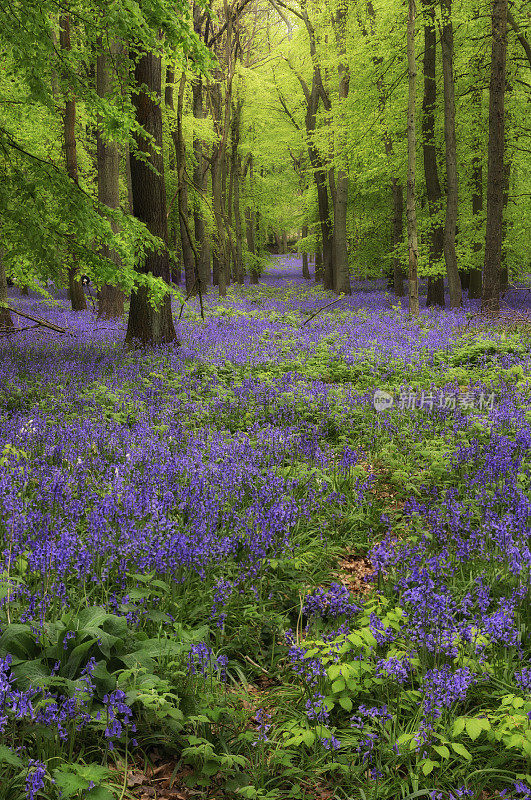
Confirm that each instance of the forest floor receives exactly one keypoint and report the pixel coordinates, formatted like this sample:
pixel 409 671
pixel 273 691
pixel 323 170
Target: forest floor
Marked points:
pixel 288 558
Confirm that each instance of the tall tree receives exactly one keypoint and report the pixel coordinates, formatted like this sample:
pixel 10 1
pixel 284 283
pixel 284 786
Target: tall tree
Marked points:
pixel 474 286
pixel 429 152
pixel 412 236
pixel 5 315
pixel 75 288
pixel 187 246
pixel 111 298
pixel 396 279
pixel 450 223
pixel 148 324
pixel 341 267
pixel 490 299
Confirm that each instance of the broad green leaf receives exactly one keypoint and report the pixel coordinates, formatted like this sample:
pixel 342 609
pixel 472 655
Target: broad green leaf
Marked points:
pixel 461 750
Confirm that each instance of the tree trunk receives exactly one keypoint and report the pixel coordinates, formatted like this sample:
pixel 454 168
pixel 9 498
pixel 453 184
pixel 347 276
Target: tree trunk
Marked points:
pixel 220 263
pixel 474 288
pixel 200 182
pixel 341 266
pixel 450 257
pixel 490 299
pixel 319 265
pixel 5 316
pixel 319 171
pixel 398 229
pixel 504 271
pixel 111 298
pixel 429 152
pixel 236 167
pixel 250 227
pixel 182 188
pixel 412 238
pixel 75 288
pixel 146 324
pixel 305 268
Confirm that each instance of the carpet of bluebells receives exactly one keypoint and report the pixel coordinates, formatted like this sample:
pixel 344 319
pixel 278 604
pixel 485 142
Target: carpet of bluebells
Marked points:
pixel 177 527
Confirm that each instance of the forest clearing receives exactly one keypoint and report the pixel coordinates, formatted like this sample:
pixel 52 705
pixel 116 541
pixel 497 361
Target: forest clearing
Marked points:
pixel 265 400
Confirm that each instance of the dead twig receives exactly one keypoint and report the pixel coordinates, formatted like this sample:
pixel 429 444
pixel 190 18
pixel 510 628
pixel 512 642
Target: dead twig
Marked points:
pixel 40 322
pixel 338 300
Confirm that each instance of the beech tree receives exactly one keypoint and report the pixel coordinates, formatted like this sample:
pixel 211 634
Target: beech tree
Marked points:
pixel 490 298
pixel 147 323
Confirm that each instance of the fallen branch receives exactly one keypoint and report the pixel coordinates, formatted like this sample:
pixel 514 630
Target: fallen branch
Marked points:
pixel 338 300
pixel 39 321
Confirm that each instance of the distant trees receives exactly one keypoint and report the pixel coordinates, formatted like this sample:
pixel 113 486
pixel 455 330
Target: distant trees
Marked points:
pixel 490 298
pixel 274 137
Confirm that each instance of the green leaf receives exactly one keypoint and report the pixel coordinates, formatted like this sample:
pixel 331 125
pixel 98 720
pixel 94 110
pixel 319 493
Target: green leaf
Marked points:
pixel 8 757
pixel 475 726
pixel 100 793
pixel 308 738
pixel 429 765
pixel 442 750
pixel 68 783
pixel 345 702
pixel 461 750
pixel 338 685
pixel 459 725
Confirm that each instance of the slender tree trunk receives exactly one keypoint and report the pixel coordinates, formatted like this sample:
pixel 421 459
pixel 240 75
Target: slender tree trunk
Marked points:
pixel 319 171
pixel 111 298
pixel 200 182
pixel 182 188
pixel 411 210
pixel 220 264
pixel 250 226
pixel 146 324
pixel 319 265
pixel 398 232
pixel 450 224
pixel 5 315
pixel 75 288
pixel 490 299
pixel 305 268
pixel 236 168
pixel 221 250
pixel 504 271
pixel 429 152
pixel 474 288
pixel 341 266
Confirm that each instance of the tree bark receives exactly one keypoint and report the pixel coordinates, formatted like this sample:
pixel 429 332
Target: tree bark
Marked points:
pixel 305 268
pixel 236 168
pixel 341 266
pixel 200 182
pixel 450 257
pixel 182 188
pixel 146 324
pixel 5 315
pixel 412 237
pixel 396 276
pixel 221 246
pixel 474 287
pixel 490 299
pixel 75 288
pixel 251 226
pixel 319 265
pixel 111 298
pixel 429 152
